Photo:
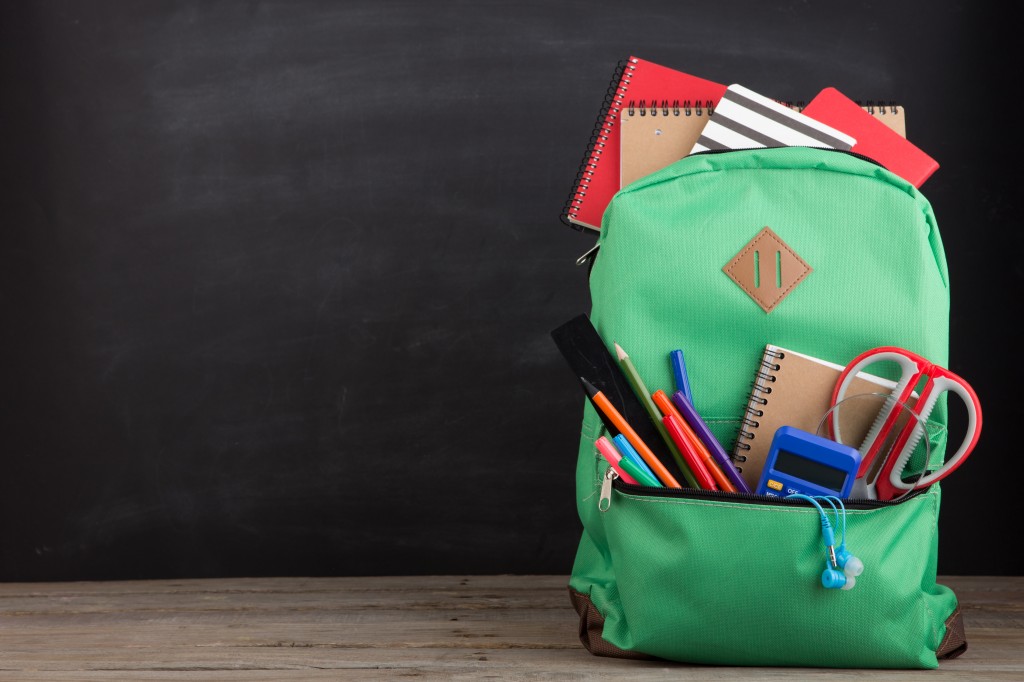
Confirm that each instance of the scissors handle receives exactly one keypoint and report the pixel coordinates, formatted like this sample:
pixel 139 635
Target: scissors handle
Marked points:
pixel 911 367
pixel 890 482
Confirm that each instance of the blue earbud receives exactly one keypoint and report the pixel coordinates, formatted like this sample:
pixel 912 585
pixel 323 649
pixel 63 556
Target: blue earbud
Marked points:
pixel 835 579
pixel 851 565
pixel 832 577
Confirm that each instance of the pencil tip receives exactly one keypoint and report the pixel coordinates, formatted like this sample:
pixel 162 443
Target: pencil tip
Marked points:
pixel 621 353
pixel 589 387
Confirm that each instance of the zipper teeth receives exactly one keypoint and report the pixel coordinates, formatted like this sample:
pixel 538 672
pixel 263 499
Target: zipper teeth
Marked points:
pixel 827 149
pixel 694 493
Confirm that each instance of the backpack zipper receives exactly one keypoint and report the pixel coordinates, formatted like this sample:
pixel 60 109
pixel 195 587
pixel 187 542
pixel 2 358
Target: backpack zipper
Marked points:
pixel 612 481
pixel 591 254
pixel 753 149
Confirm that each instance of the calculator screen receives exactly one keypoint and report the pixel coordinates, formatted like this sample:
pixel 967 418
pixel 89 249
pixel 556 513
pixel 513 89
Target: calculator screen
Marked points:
pixel 809 470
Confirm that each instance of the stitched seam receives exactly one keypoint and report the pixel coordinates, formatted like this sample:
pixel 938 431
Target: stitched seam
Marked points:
pixel 731 267
pixel 767 305
pixel 715 505
pixel 927 603
pixel 587 432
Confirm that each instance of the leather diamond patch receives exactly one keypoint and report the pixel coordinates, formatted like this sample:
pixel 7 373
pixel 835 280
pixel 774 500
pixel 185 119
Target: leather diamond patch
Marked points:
pixel 767 269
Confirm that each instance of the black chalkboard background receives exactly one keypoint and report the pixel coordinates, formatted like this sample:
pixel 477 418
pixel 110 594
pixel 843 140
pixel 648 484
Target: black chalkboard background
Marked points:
pixel 277 278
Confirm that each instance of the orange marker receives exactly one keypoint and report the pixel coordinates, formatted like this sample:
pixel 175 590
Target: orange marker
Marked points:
pixel 700 451
pixel 602 403
pixel 700 470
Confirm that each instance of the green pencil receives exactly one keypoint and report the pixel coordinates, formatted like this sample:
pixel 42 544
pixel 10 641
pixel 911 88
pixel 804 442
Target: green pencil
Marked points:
pixel 637 384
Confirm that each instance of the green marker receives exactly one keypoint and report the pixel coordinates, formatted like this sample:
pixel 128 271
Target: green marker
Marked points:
pixel 641 476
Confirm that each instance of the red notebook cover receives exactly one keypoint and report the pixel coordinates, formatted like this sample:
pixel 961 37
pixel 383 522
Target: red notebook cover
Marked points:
pixel 634 80
pixel 875 140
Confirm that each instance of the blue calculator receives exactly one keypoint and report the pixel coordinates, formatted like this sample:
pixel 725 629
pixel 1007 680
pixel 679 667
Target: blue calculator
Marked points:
pixel 802 462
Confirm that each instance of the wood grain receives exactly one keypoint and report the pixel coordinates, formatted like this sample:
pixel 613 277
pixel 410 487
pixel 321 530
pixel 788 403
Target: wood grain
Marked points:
pixel 381 628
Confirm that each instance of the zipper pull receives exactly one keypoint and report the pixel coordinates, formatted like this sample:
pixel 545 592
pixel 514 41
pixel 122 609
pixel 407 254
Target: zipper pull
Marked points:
pixel 589 255
pixel 606 490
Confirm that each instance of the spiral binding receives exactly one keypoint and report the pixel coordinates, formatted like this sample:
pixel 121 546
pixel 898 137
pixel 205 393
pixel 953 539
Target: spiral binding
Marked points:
pixel 686 108
pixel 759 389
pixel 870 105
pixel 617 89
pixel 795 106
pixel 882 107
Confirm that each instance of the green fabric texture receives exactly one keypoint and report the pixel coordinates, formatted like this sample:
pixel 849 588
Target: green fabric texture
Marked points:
pixel 737 583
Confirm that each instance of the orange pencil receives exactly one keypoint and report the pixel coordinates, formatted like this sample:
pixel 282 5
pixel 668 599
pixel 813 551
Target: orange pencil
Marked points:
pixel 699 449
pixel 602 403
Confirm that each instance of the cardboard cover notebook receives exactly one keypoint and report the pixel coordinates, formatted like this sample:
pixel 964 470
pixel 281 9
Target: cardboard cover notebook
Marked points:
pixel 597 178
pixel 875 140
pixel 795 389
pixel 655 135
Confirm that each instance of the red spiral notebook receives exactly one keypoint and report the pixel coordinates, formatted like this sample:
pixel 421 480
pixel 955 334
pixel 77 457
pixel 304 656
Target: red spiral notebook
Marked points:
pixel 635 80
pixel 875 140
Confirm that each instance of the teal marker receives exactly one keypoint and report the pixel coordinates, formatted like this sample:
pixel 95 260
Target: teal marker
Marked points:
pixel 679 372
pixel 630 453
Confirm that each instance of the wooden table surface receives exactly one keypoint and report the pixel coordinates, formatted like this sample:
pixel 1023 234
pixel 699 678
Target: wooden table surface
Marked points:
pixel 436 627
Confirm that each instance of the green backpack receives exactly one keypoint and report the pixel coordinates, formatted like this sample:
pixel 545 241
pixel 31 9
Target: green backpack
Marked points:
pixel 734 580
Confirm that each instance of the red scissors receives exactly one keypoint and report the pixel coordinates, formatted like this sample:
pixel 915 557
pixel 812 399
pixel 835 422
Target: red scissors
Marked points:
pixel 888 482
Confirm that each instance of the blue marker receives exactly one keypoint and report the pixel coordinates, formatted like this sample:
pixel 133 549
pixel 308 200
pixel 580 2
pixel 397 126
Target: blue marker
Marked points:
pixel 629 452
pixel 679 371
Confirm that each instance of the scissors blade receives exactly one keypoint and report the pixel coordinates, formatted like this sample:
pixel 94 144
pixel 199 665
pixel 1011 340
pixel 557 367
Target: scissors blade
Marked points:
pixel 888 484
pixel 883 425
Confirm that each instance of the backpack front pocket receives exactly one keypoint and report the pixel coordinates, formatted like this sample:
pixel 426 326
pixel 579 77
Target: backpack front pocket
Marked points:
pixel 736 580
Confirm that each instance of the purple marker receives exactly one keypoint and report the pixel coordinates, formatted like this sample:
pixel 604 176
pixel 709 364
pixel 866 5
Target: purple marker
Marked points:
pixel 710 442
